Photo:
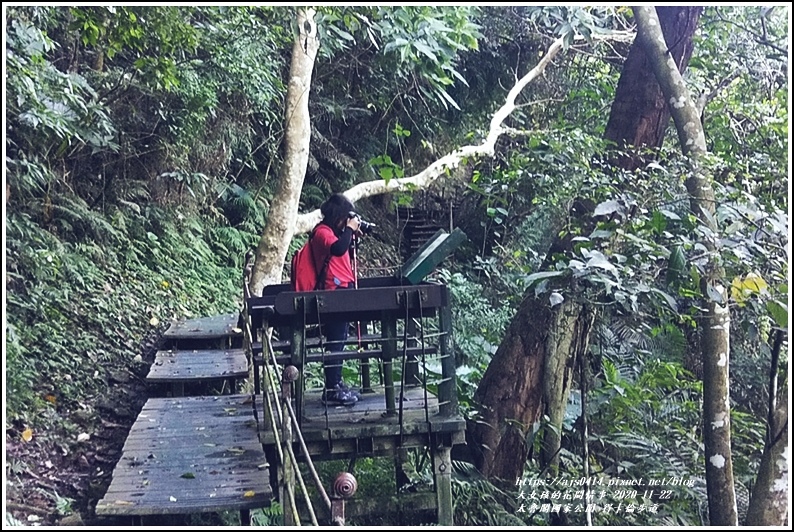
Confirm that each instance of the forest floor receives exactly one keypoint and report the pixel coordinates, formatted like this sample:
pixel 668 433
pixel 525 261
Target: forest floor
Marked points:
pixel 49 484
pixel 51 479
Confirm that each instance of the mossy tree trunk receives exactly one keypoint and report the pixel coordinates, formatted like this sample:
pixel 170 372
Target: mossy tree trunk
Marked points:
pixel 714 323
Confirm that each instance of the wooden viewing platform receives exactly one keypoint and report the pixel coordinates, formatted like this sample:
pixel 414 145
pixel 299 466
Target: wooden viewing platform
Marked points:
pixel 335 432
pixel 190 455
pixel 414 322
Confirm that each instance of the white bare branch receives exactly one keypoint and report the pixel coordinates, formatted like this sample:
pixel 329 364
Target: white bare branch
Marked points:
pixel 423 179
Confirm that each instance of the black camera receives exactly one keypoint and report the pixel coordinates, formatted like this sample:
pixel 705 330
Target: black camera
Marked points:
pixel 364 226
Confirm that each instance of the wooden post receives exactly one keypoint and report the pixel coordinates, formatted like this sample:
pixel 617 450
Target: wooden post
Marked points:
pixel 344 487
pixel 447 388
pixel 442 470
pixel 287 480
pixel 400 478
pixel 366 378
pixel 298 355
pixel 389 335
pixel 254 372
pixel 263 385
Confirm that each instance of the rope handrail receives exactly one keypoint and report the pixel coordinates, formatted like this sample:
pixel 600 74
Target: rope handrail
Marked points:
pixel 276 410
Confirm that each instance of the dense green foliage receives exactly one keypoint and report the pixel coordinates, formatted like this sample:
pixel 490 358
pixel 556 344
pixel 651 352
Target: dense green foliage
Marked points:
pixel 82 309
pixel 142 148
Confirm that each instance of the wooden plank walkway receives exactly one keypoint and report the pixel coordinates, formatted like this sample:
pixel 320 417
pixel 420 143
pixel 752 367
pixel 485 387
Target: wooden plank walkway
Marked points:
pixel 190 455
pixel 365 427
pixel 196 365
pixel 213 327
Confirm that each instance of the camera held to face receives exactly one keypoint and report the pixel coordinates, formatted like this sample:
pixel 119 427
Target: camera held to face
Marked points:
pixel 365 227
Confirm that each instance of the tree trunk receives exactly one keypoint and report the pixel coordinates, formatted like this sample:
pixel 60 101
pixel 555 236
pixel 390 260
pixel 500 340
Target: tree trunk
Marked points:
pixel 715 322
pixel 283 212
pixel 639 114
pixel 770 499
pixel 510 395
pixel 569 338
pixel 283 222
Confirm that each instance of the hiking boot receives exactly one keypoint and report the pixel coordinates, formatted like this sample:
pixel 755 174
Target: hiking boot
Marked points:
pixel 339 396
pixel 346 389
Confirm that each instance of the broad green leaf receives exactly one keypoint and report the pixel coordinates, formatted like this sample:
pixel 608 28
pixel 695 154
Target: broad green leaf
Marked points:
pixel 779 312
pixel 601 233
pixel 606 208
pixel 598 260
pixel 669 214
pixel 425 49
pixel 386 173
pixel 670 300
pixel 677 265
pixel 658 222
pixel 529 279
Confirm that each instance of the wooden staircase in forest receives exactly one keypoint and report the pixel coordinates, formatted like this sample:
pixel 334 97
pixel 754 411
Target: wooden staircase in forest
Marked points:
pixel 418 225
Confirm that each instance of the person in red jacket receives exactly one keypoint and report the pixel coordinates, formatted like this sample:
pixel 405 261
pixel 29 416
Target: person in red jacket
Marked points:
pixel 334 237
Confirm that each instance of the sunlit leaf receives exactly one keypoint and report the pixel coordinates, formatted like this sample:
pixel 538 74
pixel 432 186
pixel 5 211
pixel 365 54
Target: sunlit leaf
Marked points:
pixel 529 279
pixel 607 207
pixel 555 299
pixel 714 294
pixel 667 297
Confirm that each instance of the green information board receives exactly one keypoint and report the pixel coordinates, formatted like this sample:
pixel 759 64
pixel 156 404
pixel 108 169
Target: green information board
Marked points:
pixel 430 255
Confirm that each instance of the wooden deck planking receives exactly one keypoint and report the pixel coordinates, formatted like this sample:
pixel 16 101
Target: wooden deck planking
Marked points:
pixel 211 439
pixel 371 407
pixel 198 365
pixel 224 325
pixel 367 418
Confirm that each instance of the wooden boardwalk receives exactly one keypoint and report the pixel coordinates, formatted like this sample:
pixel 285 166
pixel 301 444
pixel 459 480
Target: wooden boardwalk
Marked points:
pixel 213 332
pixel 198 365
pixel 187 455
pixel 190 455
pixel 213 327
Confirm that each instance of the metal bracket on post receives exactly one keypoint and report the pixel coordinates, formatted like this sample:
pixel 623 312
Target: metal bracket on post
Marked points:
pixel 403 297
